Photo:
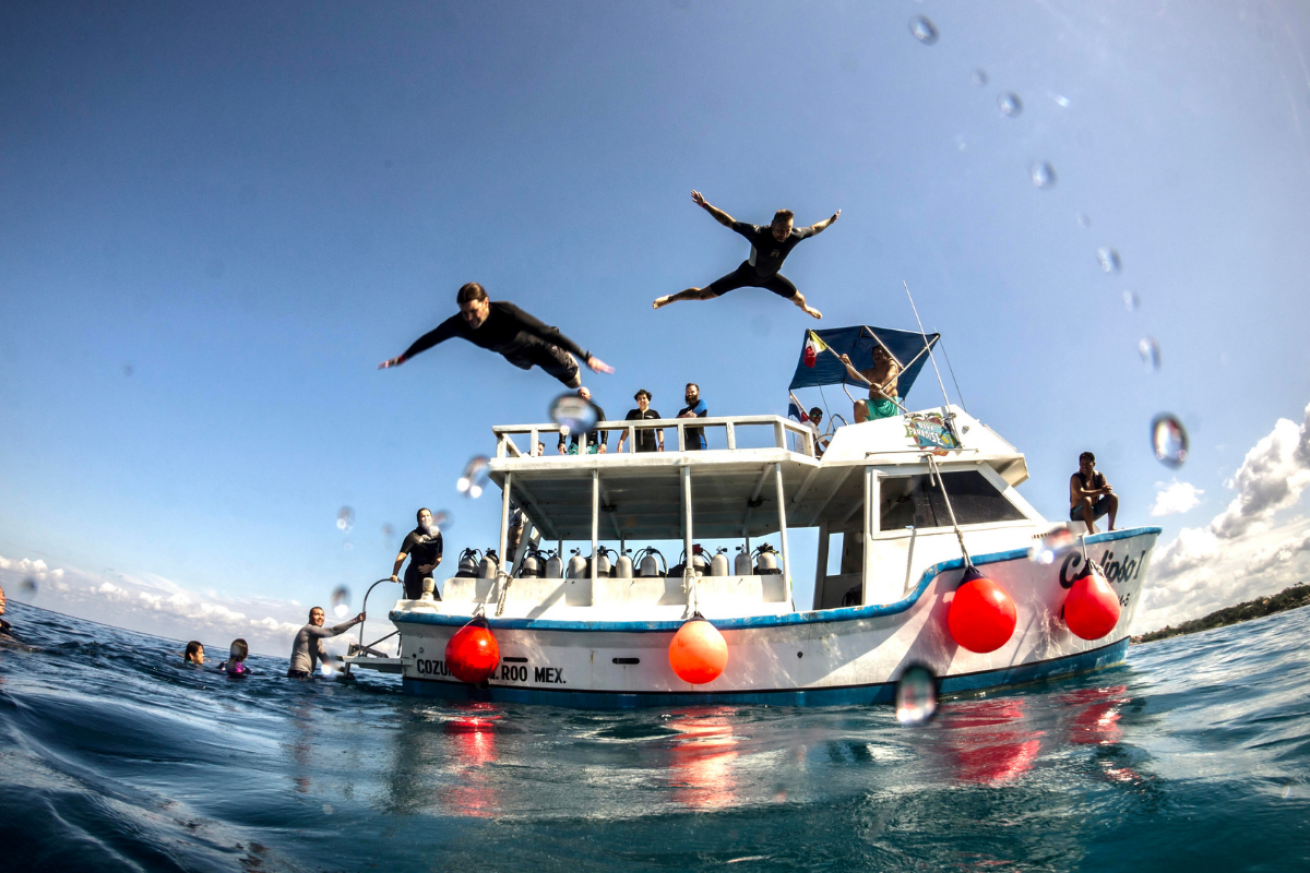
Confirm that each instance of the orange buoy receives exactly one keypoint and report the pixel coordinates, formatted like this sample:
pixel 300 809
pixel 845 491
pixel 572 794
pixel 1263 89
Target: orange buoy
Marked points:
pixel 473 653
pixel 982 616
pixel 1091 608
pixel 698 652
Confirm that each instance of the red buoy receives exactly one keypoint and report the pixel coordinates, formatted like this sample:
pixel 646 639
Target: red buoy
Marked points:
pixel 698 652
pixel 1091 608
pixel 473 653
pixel 982 616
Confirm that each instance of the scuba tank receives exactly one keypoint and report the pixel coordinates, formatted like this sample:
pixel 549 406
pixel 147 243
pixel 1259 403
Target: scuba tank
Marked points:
pixel 577 565
pixel 469 563
pixel 719 563
pixel 603 562
pixel 531 567
pixel 699 565
pixel 648 562
pixel 741 565
pixel 554 566
pixel 490 565
pixel 623 566
pixel 766 563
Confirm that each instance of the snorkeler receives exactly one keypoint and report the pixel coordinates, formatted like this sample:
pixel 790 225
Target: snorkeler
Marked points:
pixel 235 665
pixel 770 245
pixel 307 651
pixel 502 327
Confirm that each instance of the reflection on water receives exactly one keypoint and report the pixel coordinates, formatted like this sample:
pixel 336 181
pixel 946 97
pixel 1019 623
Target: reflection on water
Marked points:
pixel 703 752
pixel 989 741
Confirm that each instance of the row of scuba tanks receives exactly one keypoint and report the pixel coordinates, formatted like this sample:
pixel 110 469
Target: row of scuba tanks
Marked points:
pixel 648 562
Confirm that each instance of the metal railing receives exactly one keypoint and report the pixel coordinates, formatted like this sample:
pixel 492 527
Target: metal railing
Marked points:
pixel 730 425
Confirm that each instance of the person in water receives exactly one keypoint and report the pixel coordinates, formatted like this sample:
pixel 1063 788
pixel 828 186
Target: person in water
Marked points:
pixel 235 665
pixel 307 651
pixel 502 327
pixel 770 245
pixel 423 547
pixel 1090 495
pixel 645 440
pixel 598 442
pixel 195 653
pixel 884 401
pixel 694 437
pixel 4 625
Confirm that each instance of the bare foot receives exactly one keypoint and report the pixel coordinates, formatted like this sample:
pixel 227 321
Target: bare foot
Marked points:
pixel 812 311
pixel 662 301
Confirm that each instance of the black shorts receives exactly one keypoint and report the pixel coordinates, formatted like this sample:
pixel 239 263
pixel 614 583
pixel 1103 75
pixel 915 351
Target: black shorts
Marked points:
pixel 551 358
pixel 746 277
pixel 414 582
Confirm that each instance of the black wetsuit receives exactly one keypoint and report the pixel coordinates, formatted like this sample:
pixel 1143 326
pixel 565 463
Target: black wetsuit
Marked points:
pixel 695 436
pixel 509 331
pixel 645 439
pixel 4 626
pixel 424 555
pixel 767 255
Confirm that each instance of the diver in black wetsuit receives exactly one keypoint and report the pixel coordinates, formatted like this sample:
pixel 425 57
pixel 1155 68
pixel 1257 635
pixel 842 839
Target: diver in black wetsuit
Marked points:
pixel 504 328
pixel 769 248
pixel 423 547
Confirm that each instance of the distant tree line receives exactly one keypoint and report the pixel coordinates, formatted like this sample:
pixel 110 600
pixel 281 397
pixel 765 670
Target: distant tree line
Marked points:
pixel 1288 598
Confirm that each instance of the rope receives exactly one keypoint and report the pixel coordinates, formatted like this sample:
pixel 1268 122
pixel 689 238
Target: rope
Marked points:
pixel 924 334
pixel 959 534
pixel 958 392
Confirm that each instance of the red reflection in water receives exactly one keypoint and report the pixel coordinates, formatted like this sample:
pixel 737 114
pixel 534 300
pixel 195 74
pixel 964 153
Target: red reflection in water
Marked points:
pixel 988 744
pixel 471 743
pixel 702 765
pixel 1097 720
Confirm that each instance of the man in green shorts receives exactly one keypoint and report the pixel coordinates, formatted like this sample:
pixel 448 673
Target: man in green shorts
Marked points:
pixel 883 400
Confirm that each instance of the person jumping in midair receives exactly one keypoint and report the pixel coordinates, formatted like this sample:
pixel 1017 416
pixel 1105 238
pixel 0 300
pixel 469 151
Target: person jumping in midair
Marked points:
pixel 502 327
pixel 770 246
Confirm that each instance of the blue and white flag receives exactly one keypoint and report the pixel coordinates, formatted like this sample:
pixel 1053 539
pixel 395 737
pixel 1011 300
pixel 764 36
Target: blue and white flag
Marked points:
pixel 795 410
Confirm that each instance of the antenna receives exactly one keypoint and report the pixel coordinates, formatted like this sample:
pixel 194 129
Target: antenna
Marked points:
pixel 926 345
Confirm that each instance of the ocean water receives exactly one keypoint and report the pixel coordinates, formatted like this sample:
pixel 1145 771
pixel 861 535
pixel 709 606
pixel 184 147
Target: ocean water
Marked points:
pixel 1194 755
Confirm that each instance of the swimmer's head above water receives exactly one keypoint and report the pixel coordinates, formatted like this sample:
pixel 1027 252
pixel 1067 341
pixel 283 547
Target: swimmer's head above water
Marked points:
pixel 195 652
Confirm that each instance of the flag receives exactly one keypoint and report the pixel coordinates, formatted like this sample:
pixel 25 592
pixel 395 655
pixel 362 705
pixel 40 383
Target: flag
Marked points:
pixel 813 345
pixel 795 410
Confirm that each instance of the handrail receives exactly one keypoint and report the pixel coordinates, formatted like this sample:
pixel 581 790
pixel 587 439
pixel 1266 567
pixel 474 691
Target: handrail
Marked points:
pixel 781 425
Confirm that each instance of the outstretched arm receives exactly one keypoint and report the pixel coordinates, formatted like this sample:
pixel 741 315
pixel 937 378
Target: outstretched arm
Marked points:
pixel 444 331
pixel 720 216
pixel 820 227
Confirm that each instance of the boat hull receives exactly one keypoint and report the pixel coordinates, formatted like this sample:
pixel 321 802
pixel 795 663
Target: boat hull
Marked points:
pixel 830 657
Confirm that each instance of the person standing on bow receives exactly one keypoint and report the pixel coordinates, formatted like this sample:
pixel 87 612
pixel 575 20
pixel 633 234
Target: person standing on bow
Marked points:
pixel 770 245
pixel 502 327
pixel 423 547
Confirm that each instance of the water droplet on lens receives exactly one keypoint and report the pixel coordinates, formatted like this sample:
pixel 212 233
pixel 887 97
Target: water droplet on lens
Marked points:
pixel 1084 220
pixel 388 532
pixel 128 370
pixel 345 518
pixel 1009 104
pixel 574 413
pixel 1042 174
pixel 916 695
pixel 1168 440
pixel 1149 349
pixel 1060 100
pixel 474 478
pixel 1052 547
pixel 1108 258
pixel 27 588
pixel 327 668
pixel 923 29
pixel 979 77
pixel 442 519
pixel 1131 301
pixel 341 601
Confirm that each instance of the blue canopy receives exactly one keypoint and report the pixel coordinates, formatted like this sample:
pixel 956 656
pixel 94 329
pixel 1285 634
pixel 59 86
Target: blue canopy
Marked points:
pixel 858 342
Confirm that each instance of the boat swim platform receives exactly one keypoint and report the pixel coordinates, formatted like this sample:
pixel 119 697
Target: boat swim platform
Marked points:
pixel 734 490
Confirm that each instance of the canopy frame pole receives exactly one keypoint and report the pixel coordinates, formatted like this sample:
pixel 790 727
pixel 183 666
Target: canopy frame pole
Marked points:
pixel 782 530
pixel 872 489
pixel 931 356
pixel 595 524
pixel 504 518
pixel 879 341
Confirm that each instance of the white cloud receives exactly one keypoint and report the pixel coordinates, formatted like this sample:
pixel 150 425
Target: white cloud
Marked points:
pixel 1279 555
pixel 156 605
pixel 1175 498
pixel 1272 477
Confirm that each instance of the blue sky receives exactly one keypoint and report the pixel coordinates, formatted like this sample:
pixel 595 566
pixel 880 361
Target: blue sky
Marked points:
pixel 214 222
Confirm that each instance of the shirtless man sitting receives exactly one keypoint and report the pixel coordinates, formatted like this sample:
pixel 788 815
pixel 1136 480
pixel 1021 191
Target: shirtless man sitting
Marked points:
pixel 1090 495
pixel 883 400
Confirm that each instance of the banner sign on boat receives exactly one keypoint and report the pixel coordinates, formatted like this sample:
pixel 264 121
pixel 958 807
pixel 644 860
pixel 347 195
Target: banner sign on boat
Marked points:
pixel 929 432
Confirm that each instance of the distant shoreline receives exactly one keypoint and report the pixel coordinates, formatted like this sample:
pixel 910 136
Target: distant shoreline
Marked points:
pixel 1288 598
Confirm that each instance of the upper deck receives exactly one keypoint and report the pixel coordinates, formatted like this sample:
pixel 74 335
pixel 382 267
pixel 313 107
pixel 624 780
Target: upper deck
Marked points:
pixel 753 464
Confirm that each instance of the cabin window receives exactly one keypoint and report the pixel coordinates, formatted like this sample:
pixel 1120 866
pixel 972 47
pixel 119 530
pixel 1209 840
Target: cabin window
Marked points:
pixel 915 500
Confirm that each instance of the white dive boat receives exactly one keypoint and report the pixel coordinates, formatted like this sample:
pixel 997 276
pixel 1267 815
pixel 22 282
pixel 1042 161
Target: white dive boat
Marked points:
pixel 889 487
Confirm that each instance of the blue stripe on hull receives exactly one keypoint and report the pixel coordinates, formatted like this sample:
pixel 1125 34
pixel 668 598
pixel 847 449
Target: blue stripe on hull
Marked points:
pixel 883 692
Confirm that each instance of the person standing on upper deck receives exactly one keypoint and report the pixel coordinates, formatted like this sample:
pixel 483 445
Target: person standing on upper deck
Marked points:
pixel 884 401
pixel 646 440
pixel 502 327
pixel 770 245
pixel 597 441
pixel 1090 495
pixel 695 408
